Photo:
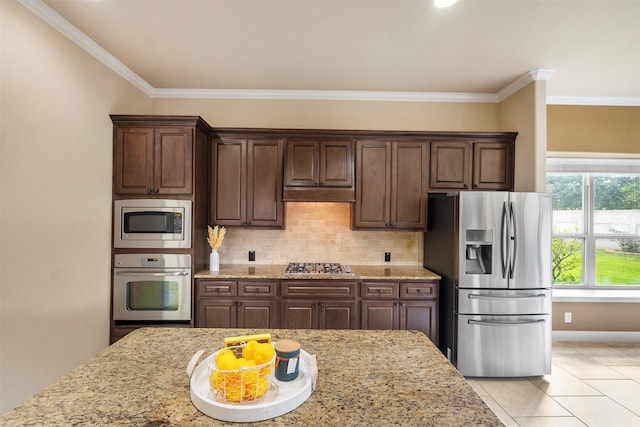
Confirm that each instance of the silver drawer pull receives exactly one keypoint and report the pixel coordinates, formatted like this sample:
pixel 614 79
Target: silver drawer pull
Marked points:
pixel 503 323
pixel 476 296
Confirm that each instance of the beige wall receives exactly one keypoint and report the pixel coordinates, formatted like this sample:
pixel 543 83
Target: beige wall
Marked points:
pixel 55 196
pixel 594 129
pixel 597 316
pixel 524 112
pixel 336 114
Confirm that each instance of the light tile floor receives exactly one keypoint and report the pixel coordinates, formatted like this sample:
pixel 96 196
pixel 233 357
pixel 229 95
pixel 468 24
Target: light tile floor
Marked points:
pixel 591 384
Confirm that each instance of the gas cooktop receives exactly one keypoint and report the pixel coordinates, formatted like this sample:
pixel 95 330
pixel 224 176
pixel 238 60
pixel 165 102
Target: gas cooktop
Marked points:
pixel 317 268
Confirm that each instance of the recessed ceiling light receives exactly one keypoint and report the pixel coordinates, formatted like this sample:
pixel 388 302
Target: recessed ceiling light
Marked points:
pixel 444 3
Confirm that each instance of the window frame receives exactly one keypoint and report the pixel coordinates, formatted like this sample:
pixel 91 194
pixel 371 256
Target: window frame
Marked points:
pixel 589 167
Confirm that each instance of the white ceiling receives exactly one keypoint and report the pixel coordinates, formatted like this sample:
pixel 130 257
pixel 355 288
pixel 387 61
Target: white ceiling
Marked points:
pixel 588 51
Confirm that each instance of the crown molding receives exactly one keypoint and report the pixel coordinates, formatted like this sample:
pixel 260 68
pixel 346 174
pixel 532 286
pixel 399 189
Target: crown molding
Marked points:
pixel 325 95
pixel 594 101
pixel 524 80
pixel 53 18
pixel 50 16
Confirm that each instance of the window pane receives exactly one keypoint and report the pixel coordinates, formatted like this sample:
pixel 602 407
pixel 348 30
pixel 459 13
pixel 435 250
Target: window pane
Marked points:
pixel 616 204
pixel 567 261
pixel 618 262
pixel 568 212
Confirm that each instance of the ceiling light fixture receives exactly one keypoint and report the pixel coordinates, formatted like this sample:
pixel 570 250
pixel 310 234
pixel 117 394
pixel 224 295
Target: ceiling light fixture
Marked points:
pixel 444 3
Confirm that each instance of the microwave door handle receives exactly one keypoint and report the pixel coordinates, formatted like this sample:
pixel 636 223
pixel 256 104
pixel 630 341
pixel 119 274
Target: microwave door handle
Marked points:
pixel 153 273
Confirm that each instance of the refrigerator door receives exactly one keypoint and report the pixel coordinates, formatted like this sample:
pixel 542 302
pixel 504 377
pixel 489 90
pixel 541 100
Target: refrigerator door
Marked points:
pixel 504 346
pixel 495 301
pixel 482 259
pixel 529 257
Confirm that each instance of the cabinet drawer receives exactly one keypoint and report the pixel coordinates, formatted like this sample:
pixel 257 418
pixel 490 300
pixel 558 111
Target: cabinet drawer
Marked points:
pixel 215 288
pixel 421 290
pixel 319 288
pixel 379 289
pixel 256 289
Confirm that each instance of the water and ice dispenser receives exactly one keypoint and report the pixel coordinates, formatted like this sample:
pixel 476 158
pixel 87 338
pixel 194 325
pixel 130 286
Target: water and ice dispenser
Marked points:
pixel 478 251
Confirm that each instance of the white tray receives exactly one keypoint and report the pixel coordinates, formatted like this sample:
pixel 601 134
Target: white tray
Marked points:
pixel 281 396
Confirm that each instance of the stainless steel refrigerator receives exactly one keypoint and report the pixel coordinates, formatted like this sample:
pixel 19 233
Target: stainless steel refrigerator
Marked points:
pixel 493 251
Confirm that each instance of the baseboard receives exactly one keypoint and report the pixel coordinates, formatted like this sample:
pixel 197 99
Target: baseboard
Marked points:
pixel 630 336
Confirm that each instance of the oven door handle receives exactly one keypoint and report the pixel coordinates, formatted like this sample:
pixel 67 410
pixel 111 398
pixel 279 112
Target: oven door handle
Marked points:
pixel 153 273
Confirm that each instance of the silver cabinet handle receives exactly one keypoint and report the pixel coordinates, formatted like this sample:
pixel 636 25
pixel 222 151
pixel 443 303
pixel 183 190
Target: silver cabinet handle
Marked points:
pixel 153 273
pixel 476 296
pixel 503 323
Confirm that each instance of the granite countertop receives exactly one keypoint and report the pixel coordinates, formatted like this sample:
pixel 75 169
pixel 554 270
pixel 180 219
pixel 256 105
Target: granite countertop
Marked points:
pixel 364 378
pixel 360 272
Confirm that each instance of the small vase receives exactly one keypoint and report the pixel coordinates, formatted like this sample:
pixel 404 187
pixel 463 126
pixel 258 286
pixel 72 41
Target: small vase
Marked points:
pixel 214 260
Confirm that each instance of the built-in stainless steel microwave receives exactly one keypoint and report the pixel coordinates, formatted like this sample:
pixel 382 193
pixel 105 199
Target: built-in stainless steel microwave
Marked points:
pixel 152 223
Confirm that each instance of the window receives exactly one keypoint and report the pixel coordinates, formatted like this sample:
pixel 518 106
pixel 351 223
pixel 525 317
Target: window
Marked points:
pixel 596 222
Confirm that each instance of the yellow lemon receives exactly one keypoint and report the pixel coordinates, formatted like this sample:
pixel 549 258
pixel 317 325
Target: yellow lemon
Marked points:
pixel 246 363
pixel 228 362
pixel 264 353
pixel 249 349
pixel 223 353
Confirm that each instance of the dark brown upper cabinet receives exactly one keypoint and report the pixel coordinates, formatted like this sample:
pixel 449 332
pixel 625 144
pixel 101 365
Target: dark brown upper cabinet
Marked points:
pixel 246 182
pixel 153 161
pixel 319 170
pixel 471 165
pixel 391 185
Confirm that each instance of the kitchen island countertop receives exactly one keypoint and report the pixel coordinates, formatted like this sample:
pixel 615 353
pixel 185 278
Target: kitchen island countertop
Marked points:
pixel 365 378
pixel 360 272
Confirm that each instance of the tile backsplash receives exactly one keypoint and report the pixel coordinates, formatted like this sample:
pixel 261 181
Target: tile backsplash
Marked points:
pixel 320 232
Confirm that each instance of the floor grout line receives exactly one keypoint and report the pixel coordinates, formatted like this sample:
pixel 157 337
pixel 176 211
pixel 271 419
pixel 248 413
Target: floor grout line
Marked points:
pixel 587 352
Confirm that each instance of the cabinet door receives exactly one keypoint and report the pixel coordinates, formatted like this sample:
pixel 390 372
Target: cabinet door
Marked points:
pixel 173 161
pixel 492 166
pixel 336 314
pixel 409 187
pixel 450 165
pixel 421 316
pixel 228 203
pixel 133 165
pixel 373 184
pixel 216 313
pixel 303 163
pixel 379 314
pixel 257 313
pixel 336 164
pixel 265 207
pixel 298 314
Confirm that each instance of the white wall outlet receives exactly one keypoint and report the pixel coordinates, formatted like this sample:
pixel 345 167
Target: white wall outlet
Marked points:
pixel 567 317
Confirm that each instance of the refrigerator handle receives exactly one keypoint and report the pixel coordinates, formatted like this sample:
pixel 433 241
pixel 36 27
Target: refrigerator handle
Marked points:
pixel 504 254
pixel 513 236
pixel 503 322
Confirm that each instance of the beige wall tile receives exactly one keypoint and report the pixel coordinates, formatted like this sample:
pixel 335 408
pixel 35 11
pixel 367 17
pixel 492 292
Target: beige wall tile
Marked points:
pixel 321 232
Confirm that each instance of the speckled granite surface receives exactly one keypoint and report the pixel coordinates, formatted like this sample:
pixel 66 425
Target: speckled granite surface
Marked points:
pixel 276 272
pixel 366 378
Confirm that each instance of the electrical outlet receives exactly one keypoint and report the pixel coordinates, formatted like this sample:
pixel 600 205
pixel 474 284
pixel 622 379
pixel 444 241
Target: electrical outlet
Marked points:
pixel 567 317
pixel 387 257
pixel 252 255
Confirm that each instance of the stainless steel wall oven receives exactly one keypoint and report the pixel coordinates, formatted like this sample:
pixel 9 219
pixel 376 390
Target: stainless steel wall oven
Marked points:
pixel 152 287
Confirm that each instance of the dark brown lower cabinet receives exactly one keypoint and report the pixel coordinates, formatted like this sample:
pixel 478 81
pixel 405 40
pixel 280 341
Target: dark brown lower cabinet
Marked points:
pixel 318 314
pixel 400 306
pixel 318 304
pixel 236 304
